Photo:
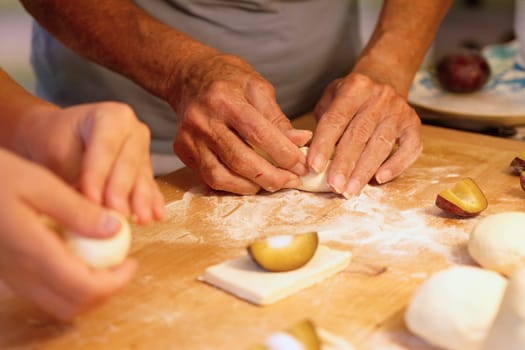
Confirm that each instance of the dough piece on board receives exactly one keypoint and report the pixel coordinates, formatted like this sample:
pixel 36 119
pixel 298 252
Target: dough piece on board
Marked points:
pixel 497 242
pixel 313 182
pixel 508 331
pixel 243 278
pixel 455 307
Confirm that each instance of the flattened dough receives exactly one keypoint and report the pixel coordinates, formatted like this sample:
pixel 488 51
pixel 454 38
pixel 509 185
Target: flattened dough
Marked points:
pixel 243 278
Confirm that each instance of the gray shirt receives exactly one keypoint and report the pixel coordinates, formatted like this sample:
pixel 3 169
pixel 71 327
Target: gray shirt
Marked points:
pixel 298 45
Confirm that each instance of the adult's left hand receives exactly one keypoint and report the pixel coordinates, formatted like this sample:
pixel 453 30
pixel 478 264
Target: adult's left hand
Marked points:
pixel 368 128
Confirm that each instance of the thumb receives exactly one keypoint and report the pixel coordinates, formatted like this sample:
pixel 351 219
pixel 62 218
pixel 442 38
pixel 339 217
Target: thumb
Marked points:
pixel 68 208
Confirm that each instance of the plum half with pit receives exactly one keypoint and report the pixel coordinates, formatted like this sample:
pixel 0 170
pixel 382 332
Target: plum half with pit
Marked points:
pixel 463 71
pixel 464 199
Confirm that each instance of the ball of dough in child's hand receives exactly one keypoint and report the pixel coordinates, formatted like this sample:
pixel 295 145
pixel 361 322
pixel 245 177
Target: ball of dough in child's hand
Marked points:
pixel 102 253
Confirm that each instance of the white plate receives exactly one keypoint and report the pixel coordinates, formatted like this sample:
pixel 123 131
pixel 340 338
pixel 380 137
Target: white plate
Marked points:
pixel 501 101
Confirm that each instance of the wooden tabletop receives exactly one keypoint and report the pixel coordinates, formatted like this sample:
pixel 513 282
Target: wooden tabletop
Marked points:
pixel 396 235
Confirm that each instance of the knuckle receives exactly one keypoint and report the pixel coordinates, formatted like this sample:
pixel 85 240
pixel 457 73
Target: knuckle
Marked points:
pixel 216 93
pixel 335 118
pixel 278 119
pixel 360 81
pixel 257 134
pixel 361 132
pixel 388 91
pixel 124 110
pixel 190 112
pixel 193 120
pixel 145 131
pixel 118 110
pixel 272 184
pixel 213 176
pixel 266 87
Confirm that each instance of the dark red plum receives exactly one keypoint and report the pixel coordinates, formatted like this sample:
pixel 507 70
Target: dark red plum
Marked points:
pixel 463 71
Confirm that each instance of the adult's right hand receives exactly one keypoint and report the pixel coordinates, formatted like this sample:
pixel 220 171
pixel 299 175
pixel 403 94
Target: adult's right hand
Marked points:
pixel 34 261
pixel 223 105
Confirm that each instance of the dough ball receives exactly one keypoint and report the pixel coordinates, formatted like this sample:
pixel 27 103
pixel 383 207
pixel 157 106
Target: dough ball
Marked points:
pixel 497 242
pixel 313 182
pixel 508 331
pixel 102 253
pixel 455 307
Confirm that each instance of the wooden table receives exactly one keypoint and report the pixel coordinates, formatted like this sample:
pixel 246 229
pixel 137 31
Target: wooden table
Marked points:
pixel 396 234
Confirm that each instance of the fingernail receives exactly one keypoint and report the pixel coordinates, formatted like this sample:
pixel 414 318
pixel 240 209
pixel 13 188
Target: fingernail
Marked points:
pixel 319 163
pixel 299 169
pixel 383 176
pixel 109 223
pixel 294 183
pixel 338 183
pixel 352 189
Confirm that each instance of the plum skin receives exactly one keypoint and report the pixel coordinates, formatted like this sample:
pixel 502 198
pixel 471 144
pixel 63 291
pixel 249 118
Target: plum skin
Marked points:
pixel 463 71
pixel 464 199
pixel 453 209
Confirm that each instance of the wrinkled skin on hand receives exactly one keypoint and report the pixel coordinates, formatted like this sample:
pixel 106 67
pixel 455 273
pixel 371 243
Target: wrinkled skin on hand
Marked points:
pixel 361 122
pixel 103 150
pixel 34 261
pixel 223 107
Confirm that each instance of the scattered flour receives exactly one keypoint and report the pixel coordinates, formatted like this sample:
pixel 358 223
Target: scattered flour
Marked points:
pixel 365 221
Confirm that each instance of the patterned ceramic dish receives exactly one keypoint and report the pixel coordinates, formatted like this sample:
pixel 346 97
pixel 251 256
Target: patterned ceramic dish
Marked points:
pixel 500 102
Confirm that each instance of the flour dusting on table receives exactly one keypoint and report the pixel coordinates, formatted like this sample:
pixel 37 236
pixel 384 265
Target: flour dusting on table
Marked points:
pixel 365 221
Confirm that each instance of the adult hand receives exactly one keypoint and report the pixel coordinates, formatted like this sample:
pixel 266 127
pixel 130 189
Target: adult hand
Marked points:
pixel 223 105
pixel 361 122
pixel 103 150
pixel 34 261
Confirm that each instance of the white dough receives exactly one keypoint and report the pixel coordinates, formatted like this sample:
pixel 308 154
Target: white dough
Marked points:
pixel 243 278
pixel 283 341
pixel 313 182
pixel 329 341
pixel 508 331
pixel 102 253
pixel 497 242
pixel 455 307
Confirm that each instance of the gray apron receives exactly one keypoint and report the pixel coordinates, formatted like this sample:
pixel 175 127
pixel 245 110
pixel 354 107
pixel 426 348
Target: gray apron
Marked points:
pixel 298 45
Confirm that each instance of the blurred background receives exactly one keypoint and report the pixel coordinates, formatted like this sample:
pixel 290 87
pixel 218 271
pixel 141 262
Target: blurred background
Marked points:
pixel 15 40
pixel 470 22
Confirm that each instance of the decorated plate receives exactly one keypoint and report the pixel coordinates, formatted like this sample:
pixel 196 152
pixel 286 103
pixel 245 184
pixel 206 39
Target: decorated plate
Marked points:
pixel 501 101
